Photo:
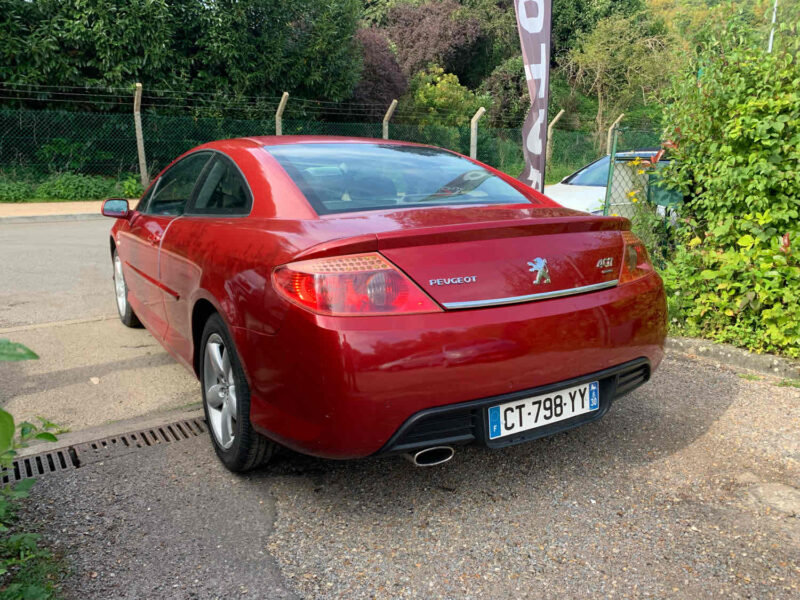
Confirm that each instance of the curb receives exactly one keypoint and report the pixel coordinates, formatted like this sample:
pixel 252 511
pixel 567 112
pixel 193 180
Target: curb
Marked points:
pixel 50 218
pixel 91 434
pixel 732 356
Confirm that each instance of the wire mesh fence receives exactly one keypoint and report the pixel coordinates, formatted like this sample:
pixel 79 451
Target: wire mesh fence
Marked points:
pixel 635 191
pixel 91 137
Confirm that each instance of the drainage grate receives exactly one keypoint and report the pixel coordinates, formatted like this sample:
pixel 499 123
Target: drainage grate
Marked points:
pixel 79 455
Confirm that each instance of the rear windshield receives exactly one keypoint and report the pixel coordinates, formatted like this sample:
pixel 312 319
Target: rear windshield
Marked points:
pixel 354 177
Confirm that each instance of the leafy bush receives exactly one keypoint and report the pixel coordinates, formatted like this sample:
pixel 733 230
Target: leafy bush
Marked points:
pixel 131 187
pixel 735 120
pixel 25 568
pixel 15 191
pixel 438 99
pixel 73 186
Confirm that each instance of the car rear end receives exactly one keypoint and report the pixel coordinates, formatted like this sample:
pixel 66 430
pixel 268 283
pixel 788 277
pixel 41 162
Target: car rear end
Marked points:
pixel 453 325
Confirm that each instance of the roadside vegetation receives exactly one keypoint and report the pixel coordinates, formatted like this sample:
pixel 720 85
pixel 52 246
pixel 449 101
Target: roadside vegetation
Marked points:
pixel 26 185
pixel 27 571
pixel 734 120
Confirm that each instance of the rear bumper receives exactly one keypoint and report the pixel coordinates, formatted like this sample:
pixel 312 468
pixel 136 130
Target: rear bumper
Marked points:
pixel 343 387
pixel 467 422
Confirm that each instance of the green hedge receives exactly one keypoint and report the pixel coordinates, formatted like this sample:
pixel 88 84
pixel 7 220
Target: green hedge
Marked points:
pixel 65 187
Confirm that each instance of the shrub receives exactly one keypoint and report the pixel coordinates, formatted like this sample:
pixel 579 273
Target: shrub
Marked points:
pixel 131 187
pixel 26 568
pixel 73 186
pixel 15 191
pixel 438 99
pixel 735 120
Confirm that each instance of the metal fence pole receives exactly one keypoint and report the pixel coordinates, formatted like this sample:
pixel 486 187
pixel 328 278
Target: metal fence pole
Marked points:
pixel 473 133
pixel 386 117
pixel 279 114
pixel 610 129
pixel 137 122
pixel 612 154
pixel 549 152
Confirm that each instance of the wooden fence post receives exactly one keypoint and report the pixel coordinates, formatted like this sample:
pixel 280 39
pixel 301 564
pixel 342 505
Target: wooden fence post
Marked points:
pixel 610 130
pixel 473 132
pixel 137 122
pixel 279 114
pixel 549 152
pixel 386 117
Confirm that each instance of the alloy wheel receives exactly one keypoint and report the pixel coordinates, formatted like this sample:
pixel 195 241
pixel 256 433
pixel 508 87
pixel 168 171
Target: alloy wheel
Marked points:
pixel 219 391
pixel 119 286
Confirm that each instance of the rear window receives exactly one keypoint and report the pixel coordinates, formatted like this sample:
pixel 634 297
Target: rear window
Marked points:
pixel 354 177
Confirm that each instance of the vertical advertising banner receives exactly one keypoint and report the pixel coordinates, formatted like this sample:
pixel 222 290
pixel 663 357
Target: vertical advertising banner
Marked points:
pixel 533 23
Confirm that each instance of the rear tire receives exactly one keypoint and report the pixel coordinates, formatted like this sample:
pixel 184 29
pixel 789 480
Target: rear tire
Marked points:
pixel 126 314
pixel 226 402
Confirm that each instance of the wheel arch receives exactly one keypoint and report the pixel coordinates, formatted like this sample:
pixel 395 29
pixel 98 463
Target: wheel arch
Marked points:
pixel 201 311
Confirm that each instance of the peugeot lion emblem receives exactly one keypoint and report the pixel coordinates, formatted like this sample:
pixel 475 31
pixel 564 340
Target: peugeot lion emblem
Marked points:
pixel 539 266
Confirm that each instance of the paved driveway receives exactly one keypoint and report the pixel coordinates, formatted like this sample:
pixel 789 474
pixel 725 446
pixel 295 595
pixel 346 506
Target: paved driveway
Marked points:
pixel 684 490
pixel 56 296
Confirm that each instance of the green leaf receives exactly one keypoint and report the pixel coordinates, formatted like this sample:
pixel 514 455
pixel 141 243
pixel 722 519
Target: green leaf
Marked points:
pixel 6 430
pixel 14 351
pixel 46 436
pixel 746 241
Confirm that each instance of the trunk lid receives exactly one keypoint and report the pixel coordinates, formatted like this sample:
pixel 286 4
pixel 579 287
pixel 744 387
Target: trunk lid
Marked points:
pixel 470 265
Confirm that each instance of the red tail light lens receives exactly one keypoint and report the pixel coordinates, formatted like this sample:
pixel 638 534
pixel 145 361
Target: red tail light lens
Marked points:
pixel 635 262
pixel 357 284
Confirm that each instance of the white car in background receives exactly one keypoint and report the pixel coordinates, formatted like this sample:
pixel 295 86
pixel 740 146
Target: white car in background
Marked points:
pixel 586 189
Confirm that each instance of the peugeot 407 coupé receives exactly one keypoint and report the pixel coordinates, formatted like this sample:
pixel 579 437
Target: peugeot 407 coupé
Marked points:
pixel 350 297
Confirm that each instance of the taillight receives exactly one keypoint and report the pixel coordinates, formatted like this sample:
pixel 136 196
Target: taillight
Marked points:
pixel 635 262
pixel 357 284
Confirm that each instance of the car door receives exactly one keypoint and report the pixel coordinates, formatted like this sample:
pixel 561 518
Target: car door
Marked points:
pixel 192 248
pixel 170 196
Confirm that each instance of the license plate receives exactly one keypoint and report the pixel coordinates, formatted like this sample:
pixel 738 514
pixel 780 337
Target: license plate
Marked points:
pixel 528 413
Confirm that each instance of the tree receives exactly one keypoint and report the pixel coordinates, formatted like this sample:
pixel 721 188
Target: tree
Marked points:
pixel 382 79
pixel 435 33
pixel 623 61
pixel 230 47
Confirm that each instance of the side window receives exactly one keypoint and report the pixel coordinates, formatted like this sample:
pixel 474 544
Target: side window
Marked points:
pixel 224 191
pixel 142 204
pixel 174 188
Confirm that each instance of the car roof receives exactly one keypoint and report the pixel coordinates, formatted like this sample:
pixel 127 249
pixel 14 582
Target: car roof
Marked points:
pixel 640 153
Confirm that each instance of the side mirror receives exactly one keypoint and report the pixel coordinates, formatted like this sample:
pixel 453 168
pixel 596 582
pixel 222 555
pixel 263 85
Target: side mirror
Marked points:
pixel 116 208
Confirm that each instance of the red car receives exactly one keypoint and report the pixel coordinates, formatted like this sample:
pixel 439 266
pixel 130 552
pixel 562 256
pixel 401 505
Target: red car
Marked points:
pixel 353 297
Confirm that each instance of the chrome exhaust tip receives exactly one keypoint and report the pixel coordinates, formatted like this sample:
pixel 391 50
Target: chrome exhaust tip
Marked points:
pixel 430 457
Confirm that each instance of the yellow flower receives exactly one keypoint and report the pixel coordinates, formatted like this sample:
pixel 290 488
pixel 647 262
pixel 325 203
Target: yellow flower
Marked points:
pixel 640 172
pixel 631 194
pixel 634 199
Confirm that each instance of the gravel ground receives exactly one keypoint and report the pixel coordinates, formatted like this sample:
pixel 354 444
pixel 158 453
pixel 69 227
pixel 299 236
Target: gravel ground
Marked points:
pixel 687 488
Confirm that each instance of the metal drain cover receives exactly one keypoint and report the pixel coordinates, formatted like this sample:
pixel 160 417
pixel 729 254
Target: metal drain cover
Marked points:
pixel 76 456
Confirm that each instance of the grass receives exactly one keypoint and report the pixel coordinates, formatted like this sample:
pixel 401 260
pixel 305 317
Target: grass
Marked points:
pixel 795 383
pixel 749 376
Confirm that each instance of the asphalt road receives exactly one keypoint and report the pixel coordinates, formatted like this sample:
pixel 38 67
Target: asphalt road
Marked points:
pixel 688 488
pixel 52 272
pixel 57 297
